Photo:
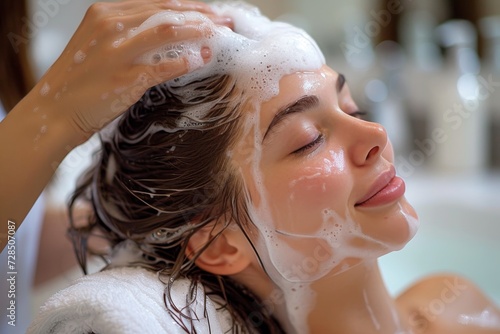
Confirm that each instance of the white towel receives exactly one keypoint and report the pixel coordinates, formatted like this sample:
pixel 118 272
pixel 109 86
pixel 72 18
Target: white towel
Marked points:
pixel 122 301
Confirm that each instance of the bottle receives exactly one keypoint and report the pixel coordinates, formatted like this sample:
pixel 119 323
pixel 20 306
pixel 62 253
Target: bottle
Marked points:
pixel 457 140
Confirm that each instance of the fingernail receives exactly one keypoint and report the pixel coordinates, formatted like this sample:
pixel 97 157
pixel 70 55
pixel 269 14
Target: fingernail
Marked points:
pixel 206 54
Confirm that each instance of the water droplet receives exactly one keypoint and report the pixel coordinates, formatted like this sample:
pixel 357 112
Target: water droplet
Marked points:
pixel 45 89
pixel 118 42
pixel 79 57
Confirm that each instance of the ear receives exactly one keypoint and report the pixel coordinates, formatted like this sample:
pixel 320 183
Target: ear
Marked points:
pixel 228 254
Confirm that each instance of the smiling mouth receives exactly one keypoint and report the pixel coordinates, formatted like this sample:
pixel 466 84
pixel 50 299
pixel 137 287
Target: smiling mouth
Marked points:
pixel 386 189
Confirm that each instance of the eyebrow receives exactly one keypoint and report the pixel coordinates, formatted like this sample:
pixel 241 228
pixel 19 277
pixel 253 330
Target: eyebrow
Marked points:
pixel 304 103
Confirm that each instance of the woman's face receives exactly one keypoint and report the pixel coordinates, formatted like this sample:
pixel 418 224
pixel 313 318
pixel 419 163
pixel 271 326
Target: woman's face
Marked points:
pixel 320 181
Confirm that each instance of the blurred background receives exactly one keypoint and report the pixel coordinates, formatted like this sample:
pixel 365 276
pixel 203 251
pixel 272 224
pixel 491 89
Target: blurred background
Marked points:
pixel 428 70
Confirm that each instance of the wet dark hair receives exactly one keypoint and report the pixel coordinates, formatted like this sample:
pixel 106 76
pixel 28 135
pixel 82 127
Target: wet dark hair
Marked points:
pixel 162 174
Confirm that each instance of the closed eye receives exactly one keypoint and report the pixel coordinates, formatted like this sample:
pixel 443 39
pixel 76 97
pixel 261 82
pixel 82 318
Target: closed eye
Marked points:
pixel 319 139
pixel 359 114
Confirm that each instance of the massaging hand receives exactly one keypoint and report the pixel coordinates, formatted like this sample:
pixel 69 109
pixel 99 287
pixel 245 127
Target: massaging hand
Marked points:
pixel 97 77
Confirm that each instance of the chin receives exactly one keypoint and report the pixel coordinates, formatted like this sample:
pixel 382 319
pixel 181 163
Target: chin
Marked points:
pixel 407 223
pixel 394 228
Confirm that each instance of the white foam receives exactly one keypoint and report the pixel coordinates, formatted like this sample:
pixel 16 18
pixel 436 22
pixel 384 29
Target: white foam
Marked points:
pixel 323 254
pixel 79 57
pixel 413 223
pixel 119 26
pixel 258 52
pixel 334 238
pixel 45 89
pixel 375 321
pixel 167 17
pixel 488 318
pixel 124 254
pixel 118 42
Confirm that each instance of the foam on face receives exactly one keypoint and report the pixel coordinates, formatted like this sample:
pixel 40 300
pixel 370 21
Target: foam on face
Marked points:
pixel 324 253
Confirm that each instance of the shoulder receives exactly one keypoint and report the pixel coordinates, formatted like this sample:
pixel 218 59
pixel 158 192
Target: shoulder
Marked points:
pixel 126 300
pixel 449 304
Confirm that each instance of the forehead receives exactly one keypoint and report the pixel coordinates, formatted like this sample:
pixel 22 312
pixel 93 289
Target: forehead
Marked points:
pixel 258 116
pixel 295 86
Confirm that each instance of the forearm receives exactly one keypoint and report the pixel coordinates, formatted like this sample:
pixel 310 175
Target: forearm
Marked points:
pixel 33 142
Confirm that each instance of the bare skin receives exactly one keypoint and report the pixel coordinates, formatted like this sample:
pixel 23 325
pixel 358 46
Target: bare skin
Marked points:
pixel 91 83
pixel 448 304
pixel 302 176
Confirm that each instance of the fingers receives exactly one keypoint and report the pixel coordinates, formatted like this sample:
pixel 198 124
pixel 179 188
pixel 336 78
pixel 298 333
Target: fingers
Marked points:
pixel 222 21
pixel 161 36
pixel 146 76
pixel 187 6
pixel 137 6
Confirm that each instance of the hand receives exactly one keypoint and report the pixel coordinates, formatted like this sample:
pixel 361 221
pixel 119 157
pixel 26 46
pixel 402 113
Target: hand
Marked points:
pixel 97 76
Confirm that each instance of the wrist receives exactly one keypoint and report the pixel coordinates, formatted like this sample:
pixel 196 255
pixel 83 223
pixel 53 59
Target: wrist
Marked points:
pixel 45 121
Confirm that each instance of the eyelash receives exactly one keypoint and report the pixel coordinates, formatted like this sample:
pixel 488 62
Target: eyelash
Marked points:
pixel 358 114
pixel 319 139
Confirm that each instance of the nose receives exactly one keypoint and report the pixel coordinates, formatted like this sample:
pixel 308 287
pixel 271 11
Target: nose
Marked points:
pixel 367 141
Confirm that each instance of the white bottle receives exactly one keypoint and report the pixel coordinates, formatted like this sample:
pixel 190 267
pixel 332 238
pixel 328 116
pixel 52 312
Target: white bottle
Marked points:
pixel 457 138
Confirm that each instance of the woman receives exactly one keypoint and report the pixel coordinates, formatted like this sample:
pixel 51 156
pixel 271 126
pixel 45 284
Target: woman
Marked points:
pixel 254 181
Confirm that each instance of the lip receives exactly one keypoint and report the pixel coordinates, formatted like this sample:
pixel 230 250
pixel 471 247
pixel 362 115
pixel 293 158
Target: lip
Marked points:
pixel 386 189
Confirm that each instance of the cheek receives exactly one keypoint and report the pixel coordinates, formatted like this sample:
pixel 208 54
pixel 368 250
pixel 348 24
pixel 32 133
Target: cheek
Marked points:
pixel 301 196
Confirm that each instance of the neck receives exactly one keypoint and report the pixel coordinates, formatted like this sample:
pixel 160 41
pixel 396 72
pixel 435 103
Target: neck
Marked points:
pixel 354 301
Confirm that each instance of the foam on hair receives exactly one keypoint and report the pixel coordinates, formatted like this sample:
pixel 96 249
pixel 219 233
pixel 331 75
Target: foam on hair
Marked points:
pixel 258 52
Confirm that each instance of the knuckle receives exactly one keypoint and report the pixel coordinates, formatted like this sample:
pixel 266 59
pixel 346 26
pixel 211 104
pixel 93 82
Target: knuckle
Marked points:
pixel 97 9
pixel 107 24
pixel 102 16
pixel 168 31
